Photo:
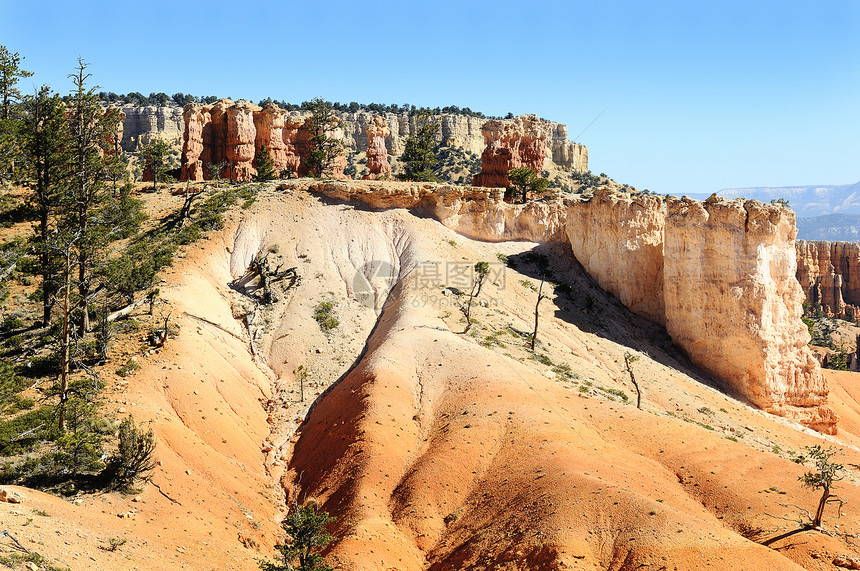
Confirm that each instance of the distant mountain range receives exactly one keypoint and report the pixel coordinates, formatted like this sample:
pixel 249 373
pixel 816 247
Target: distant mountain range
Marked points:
pixel 824 212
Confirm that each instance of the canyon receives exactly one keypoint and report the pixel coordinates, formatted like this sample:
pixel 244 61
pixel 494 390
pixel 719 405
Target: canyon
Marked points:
pixel 829 274
pixel 436 448
pixel 357 131
pixel 735 311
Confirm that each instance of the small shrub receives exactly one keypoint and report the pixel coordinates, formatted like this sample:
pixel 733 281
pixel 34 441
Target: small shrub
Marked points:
pixel 615 392
pixel 133 458
pixel 113 543
pixel 11 323
pixel 324 316
pixel 130 367
pixel 564 371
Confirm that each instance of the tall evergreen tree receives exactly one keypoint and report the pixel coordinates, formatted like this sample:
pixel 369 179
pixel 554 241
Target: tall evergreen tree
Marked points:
pixel 324 147
pixel 10 74
pixel 265 165
pixel 418 156
pixel 155 159
pixel 44 139
pixel 92 132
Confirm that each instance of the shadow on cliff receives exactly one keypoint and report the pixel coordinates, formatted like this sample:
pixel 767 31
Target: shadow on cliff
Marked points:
pixel 581 302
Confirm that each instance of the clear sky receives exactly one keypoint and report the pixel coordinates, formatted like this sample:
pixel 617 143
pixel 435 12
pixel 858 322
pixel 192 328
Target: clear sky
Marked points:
pixel 698 96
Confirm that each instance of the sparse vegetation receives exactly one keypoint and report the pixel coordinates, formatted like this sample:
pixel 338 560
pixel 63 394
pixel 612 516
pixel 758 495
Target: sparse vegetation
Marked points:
pixel 481 270
pixel 825 473
pixel 325 317
pixel 306 536
pixel 524 180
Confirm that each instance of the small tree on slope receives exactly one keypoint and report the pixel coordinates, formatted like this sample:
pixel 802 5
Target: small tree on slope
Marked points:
pixel 821 478
pixel 306 536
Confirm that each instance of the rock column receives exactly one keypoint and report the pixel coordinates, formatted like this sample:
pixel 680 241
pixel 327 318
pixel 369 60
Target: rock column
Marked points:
pixel 377 154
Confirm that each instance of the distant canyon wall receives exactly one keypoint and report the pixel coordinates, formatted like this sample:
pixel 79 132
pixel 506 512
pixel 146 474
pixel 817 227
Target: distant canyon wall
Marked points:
pixel 141 123
pixel 212 133
pixel 829 273
pixel 719 275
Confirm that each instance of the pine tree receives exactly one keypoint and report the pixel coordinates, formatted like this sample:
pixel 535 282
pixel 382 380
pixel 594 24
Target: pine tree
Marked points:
pixel 323 147
pixel 92 132
pixel 10 74
pixel 265 165
pixel 418 156
pixel 306 529
pixel 155 159
pixel 43 135
pixel 525 180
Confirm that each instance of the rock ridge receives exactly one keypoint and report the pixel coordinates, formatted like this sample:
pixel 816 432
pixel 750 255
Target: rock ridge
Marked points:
pixel 718 274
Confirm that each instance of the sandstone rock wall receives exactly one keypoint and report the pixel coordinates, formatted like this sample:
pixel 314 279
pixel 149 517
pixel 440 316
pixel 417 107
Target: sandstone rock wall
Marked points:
pixel 270 132
pixel 460 131
pixel 241 138
pixel 478 213
pixel 562 152
pixel 230 133
pixel 618 239
pixel 720 275
pixel 377 156
pixel 734 305
pixel 140 123
pixel 511 144
pixel 829 273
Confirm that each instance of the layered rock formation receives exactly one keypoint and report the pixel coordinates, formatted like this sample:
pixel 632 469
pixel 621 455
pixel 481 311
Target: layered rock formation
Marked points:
pixel 735 309
pixel 141 123
pixel 230 134
pixel 510 144
pixel 205 130
pixel 478 213
pixel 829 273
pixel 718 274
pixel 377 155
pixel 618 239
pixel 241 138
pixel 270 132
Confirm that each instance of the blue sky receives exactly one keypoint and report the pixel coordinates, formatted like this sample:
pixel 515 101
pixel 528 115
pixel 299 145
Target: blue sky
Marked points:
pixel 697 96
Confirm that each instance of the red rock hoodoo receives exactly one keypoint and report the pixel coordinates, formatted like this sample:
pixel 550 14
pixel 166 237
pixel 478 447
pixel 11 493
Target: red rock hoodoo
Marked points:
pixel 829 273
pixel 511 143
pixel 230 133
pixel 377 154
pixel 270 132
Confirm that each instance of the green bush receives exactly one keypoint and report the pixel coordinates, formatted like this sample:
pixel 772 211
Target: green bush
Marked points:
pixel 324 315
pixel 133 458
pixel 27 431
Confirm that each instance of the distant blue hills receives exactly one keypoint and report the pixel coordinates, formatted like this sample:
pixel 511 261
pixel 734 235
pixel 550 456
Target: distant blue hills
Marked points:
pixel 824 212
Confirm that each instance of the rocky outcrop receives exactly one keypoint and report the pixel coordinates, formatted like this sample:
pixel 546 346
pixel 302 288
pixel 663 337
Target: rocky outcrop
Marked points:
pixel 478 213
pixel 510 144
pixel 229 134
pixel 564 153
pixel 829 274
pixel 734 305
pixel 241 138
pixel 377 156
pixel 269 124
pixel 141 123
pixel 720 275
pixel 196 119
pixel 618 239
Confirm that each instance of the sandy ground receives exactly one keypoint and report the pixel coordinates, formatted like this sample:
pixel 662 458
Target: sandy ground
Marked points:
pixel 434 448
